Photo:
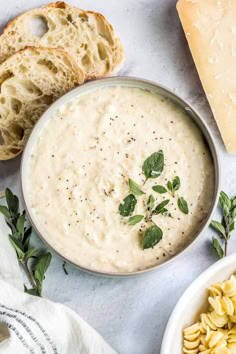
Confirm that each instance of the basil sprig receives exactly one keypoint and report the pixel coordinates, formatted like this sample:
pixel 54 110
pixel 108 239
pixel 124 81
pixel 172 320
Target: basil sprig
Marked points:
pixel 173 186
pixel 153 165
pixel 20 239
pixel 226 226
pixel 127 207
pixel 151 237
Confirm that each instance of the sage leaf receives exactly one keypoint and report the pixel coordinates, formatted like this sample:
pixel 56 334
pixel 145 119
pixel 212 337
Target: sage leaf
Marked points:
pixel 169 186
pixel 33 292
pixel 127 207
pixel 4 210
pixel 217 247
pixel 183 205
pixel 218 227
pixel 18 247
pixel 151 202
pixel 233 202
pixel 42 266
pixel 159 189
pixel 135 219
pixel 151 237
pixel 135 188
pixel 159 208
pixel 153 165
pixel 12 201
pixel 234 213
pixel 26 238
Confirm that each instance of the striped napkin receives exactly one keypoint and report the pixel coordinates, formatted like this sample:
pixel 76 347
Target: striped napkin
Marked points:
pixel 29 324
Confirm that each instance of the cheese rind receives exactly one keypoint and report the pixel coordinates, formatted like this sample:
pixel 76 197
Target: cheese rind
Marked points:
pixel 210 29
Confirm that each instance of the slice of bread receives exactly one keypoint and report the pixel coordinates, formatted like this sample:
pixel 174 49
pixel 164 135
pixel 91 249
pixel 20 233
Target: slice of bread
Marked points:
pixel 87 36
pixel 30 81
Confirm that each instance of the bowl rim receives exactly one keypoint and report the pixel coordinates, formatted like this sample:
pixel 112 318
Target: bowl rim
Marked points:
pixel 209 272
pixel 152 87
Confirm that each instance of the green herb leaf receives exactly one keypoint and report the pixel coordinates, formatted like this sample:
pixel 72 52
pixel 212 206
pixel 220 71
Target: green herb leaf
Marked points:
pixel 183 205
pixel 151 202
pixel 135 188
pixel 234 213
pixel 165 212
pixel 159 208
pixel 176 183
pixel 18 247
pixel 42 266
pixel 32 252
pixel 26 238
pixel 169 186
pixel 4 210
pixel 159 189
pixel 218 227
pixel 151 237
pixel 135 219
pixel 128 205
pixel 33 292
pixel 153 165
pixel 217 247
pixel 12 201
pixel 225 203
pixel 20 225
pixel 233 202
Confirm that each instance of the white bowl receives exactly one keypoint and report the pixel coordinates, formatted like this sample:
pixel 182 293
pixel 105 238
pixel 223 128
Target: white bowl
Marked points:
pixel 193 302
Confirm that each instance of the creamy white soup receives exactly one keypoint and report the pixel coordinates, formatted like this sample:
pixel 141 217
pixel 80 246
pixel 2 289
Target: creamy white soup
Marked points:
pixel 79 176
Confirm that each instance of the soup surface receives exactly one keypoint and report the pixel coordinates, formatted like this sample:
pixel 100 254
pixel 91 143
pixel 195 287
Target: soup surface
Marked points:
pixel 81 165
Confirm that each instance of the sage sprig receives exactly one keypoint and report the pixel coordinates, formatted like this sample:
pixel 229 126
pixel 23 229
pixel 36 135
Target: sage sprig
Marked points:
pixel 226 226
pixel 153 165
pixel 20 239
pixel 173 186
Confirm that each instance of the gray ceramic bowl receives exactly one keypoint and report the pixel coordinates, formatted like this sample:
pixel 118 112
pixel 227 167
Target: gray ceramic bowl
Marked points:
pixel 131 82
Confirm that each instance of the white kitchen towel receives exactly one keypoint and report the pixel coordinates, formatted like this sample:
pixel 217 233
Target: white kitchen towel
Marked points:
pixel 37 325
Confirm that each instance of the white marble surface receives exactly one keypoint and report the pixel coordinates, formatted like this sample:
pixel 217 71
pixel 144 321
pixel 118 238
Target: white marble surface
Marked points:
pixel 132 313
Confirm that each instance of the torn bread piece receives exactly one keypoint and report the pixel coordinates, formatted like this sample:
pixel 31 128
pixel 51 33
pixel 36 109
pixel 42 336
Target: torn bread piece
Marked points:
pixel 87 36
pixel 30 81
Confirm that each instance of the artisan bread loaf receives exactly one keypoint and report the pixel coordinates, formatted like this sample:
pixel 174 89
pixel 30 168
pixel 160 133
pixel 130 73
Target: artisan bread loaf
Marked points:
pixel 30 81
pixel 87 36
pixel 210 29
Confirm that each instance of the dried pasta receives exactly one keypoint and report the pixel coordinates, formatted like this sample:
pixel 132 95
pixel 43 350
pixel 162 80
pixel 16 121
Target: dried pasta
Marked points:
pixel 215 332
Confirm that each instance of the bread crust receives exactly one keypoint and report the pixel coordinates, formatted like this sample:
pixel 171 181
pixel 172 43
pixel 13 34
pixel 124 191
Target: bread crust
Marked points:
pixel 63 5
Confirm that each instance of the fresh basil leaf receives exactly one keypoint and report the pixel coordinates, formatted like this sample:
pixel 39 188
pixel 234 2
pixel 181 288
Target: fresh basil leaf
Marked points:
pixel 26 238
pixel 169 186
pixel 161 206
pixel 183 205
pixel 18 247
pixel 218 227
pixel 12 201
pixel 234 213
pixel 151 237
pixel 159 189
pixel 4 210
pixel 225 202
pixel 176 183
pixel 32 252
pixel 42 266
pixel 128 205
pixel 217 247
pixel 135 188
pixel 151 202
pixel 20 225
pixel 153 165
pixel 135 219
pixel 233 202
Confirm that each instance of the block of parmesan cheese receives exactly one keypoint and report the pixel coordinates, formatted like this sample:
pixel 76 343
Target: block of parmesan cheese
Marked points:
pixel 210 29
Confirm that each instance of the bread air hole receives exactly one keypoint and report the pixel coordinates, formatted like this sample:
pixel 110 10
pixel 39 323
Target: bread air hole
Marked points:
pixel 83 17
pixel 102 51
pixel 30 88
pixel 38 26
pixel 49 64
pixel 86 60
pixel 16 130
pixel 16 105
pixel 46 99
pixel 7 75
